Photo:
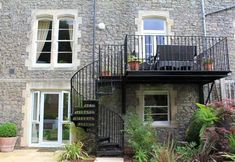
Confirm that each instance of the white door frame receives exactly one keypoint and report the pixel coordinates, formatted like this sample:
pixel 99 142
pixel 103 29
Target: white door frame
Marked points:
pixel 60 122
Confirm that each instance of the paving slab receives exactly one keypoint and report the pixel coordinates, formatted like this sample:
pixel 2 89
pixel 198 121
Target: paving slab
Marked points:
pixel 41 155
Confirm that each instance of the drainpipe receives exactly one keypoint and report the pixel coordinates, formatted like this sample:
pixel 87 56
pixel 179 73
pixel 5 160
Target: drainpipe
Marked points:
pixel 203 17
pixel 201 87
pixel 94 28
pixel 94 35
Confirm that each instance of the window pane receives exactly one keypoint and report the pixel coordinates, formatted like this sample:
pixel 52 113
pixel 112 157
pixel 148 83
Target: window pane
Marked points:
pixel 35 106
pixel 65 34
pixel 46 46
pixel 64 57
pixel 65 46
pixel 35 133
pixel 44 58
pixel 65 133
pixel 160 40
pixel 44 24
pixel 155 100
pixel 44 34
pixel 66 24
pixel 43 52
pixel 148 45
pixel 155 110
pixel 65 106
pixel 50 120
pixel 160 118
pixel 153 24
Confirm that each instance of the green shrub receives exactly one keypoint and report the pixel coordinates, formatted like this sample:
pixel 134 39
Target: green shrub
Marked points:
pixel 141 136
pixel 8 130
pixel 186 152
pixel 231 138
pixel 73 151
pixel 203 118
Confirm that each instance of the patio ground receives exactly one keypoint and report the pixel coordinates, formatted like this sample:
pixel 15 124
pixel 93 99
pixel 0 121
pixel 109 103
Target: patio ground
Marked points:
pixel 40 155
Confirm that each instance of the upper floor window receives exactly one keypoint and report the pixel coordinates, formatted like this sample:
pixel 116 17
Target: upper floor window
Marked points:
pixel 55 41
pixel 154 25
pixel 154 30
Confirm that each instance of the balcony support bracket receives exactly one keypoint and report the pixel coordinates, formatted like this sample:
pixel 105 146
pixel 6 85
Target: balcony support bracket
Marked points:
pixel 209 94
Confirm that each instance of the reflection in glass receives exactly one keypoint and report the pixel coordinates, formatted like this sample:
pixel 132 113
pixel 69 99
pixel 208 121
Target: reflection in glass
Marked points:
pixel 50 122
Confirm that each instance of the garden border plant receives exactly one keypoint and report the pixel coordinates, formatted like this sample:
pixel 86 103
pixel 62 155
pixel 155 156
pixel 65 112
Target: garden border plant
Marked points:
pixel 8 136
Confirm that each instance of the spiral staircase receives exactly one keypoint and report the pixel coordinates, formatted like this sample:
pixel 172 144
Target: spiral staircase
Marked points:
pixel 86 90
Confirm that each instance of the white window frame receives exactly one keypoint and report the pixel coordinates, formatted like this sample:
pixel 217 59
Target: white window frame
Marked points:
pixel 153 33
pixel 159 123
pixel 55 16
pixel 57 42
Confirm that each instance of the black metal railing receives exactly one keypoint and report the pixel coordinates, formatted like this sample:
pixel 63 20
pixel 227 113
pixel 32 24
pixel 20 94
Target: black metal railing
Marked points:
pixel 111 125
pixel 83 85
pixel 180 53
pixel 111 60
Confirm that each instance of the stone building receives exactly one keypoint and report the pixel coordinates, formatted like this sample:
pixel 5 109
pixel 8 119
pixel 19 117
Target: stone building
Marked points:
pixel 44 43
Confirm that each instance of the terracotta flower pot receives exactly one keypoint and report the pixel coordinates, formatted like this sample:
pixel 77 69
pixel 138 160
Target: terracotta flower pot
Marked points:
pixel 134 65
pixel 7 144
pixel 208 67
pixel 106 73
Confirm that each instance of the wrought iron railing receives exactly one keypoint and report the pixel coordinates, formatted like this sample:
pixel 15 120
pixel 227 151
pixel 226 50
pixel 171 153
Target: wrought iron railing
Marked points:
pixel 111 125
pixel 111 60
pixel 180 53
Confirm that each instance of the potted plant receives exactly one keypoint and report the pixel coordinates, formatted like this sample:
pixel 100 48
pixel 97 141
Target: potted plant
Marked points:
pixel 106 72
pixel 208 64
pixel 8 132
pixel 75 153
pixel 133 61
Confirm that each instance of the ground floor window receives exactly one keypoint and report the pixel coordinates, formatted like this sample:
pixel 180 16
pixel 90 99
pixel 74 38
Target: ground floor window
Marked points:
pixel 156 105
pixel 50 113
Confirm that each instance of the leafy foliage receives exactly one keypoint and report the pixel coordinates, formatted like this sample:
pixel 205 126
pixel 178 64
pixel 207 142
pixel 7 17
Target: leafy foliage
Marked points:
pixel 164 153
pixel 73 152
pixel 201 119
pixel 141 136
pixel 231 138
pixel 186 152
pixel 8 130
pixel 230 156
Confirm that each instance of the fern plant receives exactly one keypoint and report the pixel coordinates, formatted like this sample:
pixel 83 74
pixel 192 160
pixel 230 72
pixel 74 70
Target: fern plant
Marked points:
pixel 203 118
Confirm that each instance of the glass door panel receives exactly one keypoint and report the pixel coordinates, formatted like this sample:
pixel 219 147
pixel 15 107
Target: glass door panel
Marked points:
pixel 50 117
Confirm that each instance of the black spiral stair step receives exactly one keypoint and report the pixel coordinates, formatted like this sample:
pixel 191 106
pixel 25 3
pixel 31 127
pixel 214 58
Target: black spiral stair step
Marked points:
pixel 104 93
pixel 103 139
pixel 109 153
pixel 111 145
pixel 84 115
pixel 90 102
pixel 79 109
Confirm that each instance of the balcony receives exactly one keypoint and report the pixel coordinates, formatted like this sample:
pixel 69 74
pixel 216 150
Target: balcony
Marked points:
pixel 176 58
pixel 165 59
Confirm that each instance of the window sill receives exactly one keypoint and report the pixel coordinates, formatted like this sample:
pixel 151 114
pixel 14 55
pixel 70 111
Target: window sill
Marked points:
pixel 164 125
pixel 51 67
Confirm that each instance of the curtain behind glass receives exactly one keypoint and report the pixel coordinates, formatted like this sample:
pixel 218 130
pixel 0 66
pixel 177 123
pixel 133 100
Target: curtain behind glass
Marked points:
pixel 43 28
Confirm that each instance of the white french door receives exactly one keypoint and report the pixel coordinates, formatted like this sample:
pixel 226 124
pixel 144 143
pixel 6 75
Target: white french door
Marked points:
pixel 49 119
